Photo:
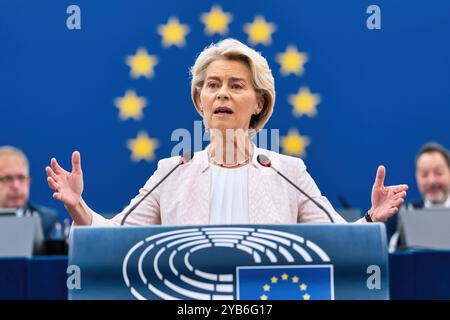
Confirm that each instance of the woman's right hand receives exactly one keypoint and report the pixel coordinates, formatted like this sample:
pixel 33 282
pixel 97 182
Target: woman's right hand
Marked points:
pixel 68 186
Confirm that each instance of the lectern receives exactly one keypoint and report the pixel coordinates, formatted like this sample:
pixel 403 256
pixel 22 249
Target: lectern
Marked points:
pixel 226 262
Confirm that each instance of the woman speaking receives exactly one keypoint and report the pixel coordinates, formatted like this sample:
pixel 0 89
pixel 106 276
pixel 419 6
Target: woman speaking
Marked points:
pixel 233 90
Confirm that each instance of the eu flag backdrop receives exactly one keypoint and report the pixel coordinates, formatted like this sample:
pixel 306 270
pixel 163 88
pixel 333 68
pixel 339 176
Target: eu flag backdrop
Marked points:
pixel 348 98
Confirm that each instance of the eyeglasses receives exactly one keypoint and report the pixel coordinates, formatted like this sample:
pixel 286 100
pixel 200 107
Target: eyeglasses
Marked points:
pixel 9 179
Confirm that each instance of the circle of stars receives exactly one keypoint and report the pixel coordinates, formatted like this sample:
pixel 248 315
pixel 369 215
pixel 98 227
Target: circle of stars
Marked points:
pixel 217 21
pixel 285 278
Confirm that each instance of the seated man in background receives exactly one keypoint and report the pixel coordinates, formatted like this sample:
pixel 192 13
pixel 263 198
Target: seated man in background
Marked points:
pixel 433 176
pixel 15 190
pixel 433 181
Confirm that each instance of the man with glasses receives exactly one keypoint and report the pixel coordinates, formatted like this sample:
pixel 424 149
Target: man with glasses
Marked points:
pixel 15 190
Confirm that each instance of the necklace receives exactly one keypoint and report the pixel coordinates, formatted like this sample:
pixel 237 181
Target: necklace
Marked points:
pixel 223 165
pixel 234 165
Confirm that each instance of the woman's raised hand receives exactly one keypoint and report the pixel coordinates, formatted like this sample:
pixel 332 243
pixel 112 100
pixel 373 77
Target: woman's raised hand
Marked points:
pixel 68 186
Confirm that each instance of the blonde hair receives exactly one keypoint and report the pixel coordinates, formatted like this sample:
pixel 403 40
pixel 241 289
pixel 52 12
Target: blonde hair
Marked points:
pixel 262 78
pixel 13 151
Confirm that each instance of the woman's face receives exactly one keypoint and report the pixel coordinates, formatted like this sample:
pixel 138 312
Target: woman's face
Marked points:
pixel 227 98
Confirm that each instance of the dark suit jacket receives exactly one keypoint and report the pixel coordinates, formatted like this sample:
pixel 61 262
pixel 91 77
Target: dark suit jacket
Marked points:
pixel 48 217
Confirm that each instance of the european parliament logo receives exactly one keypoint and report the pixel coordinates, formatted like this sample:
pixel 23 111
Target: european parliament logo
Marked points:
pixel 262 263
pixel 285 283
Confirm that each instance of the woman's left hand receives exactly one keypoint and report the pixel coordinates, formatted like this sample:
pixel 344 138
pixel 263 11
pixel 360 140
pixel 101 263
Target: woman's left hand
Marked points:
pixel 386 201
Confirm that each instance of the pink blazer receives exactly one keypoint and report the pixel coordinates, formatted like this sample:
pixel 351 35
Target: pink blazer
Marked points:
pixel 184 197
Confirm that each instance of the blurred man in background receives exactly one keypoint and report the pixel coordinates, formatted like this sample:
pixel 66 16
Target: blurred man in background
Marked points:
pixel 433 182
pixel 433 176
pixel 15 184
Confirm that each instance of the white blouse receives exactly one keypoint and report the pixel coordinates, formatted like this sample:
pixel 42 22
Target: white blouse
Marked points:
pixel 229 195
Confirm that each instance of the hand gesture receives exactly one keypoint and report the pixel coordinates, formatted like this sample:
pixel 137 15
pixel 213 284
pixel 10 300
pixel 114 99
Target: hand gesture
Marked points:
pixel 68 186
pixel 386 201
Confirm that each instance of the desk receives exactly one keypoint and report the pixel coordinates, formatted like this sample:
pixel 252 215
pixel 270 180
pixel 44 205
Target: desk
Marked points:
pixel 414 274
pixel 41 277
pixel 419 274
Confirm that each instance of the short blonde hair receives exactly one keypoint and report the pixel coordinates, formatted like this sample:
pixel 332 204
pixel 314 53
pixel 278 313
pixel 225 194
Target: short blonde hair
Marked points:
pixel 262 78
pixel 13 151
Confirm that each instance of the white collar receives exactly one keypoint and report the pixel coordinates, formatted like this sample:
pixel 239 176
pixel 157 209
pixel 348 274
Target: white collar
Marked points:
pixel 428 204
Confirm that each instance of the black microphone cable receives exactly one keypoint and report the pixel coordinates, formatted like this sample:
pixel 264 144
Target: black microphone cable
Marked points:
pixel 265 162
pixel 186 157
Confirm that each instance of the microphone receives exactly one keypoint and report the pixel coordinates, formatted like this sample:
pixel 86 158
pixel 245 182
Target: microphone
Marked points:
pixel 344 202
pixel 265 162
pixel 185 158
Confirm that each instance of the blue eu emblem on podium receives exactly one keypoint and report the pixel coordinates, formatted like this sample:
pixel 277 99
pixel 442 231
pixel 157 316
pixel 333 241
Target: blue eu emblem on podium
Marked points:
pixel 313 282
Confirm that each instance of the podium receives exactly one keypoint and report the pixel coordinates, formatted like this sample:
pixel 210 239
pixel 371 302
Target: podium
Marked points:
pixel 227 262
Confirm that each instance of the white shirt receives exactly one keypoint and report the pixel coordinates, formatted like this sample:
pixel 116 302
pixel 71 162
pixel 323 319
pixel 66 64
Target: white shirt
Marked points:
pixel 229 195
pixel 429 205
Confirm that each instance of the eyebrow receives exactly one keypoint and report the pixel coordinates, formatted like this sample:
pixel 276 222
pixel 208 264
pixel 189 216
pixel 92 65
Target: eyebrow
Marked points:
pixel 231 78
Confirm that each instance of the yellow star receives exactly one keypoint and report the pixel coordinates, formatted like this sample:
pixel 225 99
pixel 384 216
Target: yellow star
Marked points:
pixel 304 102
pixel 142 64
pixel 292 61
pixel 306 297
pixel 216 21
pixel 284 276
pixel 143 147
pixel 295 279
pixel 263 297
pixel 259 31
pixel 130 105
pixel 294 144
pixel 266 287
pixel 303 287
pixel 173 32
pixel 274 279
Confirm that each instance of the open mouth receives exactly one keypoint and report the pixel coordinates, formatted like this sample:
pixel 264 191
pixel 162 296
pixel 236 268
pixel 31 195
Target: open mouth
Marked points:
pixel 435 190
pixel 223 110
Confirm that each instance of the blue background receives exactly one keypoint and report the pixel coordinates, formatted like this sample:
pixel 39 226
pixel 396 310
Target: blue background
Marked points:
pixel 384 92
